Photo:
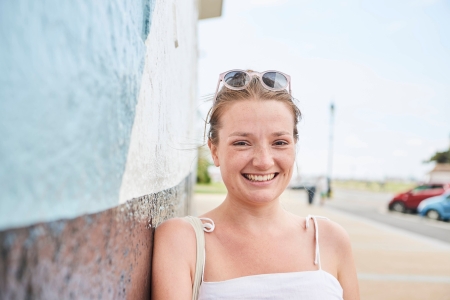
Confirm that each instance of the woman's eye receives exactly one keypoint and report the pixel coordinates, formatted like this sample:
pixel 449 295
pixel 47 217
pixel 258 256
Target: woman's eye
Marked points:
pixel 240 143
pixel 280 143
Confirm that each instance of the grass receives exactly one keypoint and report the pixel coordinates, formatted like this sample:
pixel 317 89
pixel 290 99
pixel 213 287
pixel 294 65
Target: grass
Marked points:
pixel 374 186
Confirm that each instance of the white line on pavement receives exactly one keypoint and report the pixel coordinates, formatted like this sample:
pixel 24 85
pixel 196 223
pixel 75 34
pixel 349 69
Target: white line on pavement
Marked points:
pixel 408 278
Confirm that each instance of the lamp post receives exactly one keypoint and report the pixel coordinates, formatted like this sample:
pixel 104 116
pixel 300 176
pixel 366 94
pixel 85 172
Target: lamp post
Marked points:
pixel 448 152
pixel 330 150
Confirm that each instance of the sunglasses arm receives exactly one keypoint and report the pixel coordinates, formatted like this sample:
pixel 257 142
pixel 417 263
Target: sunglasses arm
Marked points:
pixel 217 89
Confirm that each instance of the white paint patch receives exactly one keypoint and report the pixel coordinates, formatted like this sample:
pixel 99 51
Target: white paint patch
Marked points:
pixel 162 149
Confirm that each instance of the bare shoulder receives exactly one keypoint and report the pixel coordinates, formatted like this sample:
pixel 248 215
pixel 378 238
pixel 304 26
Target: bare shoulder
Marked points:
pixel 337 241
pixel 174 225
pixel 175 241
pixel 174 255
pixel 334 234
pixel 174 232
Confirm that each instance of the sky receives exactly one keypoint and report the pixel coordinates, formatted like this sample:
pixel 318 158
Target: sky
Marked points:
pixel 384 64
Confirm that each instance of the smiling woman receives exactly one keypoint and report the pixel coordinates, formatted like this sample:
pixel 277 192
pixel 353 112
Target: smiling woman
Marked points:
pixel 252 248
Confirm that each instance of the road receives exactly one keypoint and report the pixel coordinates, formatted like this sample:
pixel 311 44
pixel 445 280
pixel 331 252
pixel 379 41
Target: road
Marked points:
pixel 373 206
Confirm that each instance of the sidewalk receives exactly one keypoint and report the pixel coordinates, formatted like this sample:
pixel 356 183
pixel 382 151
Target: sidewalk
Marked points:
pixel 391 263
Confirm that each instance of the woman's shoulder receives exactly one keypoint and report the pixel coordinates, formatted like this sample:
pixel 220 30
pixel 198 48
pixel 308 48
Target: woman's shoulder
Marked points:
pixel 175 227
pixel 174 256
pixel 176 234
pixel 338 246
pixel 333 234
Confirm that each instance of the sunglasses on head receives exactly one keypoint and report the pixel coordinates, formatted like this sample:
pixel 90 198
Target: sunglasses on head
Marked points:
pixel 240 79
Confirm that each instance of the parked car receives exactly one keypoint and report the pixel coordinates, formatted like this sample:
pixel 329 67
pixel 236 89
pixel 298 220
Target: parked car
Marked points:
pixel 410 200
pixel 305 183
pixel 437 208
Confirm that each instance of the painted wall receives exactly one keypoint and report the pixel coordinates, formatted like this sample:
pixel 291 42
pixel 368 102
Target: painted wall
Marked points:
pixel 73 75
pixel 162 156
pixel 97 108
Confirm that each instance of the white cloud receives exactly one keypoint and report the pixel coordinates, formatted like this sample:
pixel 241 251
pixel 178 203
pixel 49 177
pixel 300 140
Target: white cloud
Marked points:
pixel 399 153
pixel 360 166
pixel 267 2
pixel 414 142
pixel 354 142
pixel 308 47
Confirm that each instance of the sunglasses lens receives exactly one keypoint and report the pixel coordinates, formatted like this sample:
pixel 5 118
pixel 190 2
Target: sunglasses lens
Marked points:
pixel 236 79
pixel 275 80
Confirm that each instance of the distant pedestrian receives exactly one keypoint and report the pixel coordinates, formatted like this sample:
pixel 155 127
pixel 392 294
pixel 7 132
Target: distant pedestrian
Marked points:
pixel 323 187
pixel 311 192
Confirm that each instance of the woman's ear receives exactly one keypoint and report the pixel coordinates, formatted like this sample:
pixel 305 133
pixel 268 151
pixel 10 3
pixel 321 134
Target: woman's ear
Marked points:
pixel 213 149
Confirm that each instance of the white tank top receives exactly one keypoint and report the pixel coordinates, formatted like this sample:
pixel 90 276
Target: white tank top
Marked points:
pixel 310 285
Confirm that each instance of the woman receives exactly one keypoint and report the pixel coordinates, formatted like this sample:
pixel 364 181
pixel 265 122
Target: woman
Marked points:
pixel 254 248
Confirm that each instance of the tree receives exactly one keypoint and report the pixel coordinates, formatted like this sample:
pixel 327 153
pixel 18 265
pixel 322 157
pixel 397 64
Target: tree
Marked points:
pixel 441 157
pixel 202 165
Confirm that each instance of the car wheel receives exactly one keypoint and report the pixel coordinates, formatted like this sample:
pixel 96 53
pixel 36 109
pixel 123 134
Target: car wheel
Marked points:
pixel 399 207
pixel 433 214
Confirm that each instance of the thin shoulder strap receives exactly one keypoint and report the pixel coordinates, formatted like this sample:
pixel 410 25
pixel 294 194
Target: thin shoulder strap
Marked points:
pixel 199 229
pixel 316 227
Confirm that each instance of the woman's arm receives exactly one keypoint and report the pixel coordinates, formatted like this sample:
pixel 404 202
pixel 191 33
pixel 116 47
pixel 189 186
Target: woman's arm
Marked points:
pixel 173 264
pixel 346 265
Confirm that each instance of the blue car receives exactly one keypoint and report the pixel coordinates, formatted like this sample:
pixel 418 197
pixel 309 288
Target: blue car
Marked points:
pixel 437 208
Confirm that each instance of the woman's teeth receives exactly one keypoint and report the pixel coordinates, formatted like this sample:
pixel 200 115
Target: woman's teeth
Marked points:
pixel 259 177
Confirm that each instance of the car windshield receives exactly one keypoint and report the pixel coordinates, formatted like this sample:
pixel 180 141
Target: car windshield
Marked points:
pixel 437 186
pixel 420 188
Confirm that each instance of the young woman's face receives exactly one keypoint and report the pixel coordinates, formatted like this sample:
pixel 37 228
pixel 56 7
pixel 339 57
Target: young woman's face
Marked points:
pixel 256 149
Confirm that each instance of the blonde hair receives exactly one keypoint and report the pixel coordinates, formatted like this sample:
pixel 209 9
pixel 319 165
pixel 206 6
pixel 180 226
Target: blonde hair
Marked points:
pixel 254 91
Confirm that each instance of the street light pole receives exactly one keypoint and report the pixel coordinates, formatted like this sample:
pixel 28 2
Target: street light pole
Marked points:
pixel 448 153
pixel 330 150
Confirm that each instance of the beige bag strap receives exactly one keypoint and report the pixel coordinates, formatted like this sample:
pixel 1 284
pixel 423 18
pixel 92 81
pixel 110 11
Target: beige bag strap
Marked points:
pixel 200 236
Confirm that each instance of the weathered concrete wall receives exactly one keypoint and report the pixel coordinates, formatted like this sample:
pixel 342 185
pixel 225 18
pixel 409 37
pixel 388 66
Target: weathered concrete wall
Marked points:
pixel 106 255
pixel 97 107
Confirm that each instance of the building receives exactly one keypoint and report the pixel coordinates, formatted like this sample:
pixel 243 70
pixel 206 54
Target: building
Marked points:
pixel 97 104
pixel 440 173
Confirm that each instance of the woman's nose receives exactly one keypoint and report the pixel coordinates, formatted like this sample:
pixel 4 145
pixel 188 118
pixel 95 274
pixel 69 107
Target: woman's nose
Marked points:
pixel 263 158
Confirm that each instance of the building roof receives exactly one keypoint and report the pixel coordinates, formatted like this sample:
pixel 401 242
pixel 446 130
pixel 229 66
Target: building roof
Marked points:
pixel 441 168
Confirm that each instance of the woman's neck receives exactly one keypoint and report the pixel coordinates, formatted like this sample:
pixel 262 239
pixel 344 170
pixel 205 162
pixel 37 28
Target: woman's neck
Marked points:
pixel 254 217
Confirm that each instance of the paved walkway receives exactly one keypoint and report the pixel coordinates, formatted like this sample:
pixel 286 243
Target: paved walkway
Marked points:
pixel 391 263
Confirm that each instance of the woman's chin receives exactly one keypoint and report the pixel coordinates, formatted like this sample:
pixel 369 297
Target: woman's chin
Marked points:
pixel 262 197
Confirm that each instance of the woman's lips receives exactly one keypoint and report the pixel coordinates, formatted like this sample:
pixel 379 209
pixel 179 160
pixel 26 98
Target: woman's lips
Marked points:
pixel 260 177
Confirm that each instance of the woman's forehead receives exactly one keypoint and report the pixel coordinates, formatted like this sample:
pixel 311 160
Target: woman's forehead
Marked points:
pixel 243 115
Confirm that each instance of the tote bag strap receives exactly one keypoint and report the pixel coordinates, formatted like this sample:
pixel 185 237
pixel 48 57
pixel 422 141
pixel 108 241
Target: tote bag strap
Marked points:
pixel 200 236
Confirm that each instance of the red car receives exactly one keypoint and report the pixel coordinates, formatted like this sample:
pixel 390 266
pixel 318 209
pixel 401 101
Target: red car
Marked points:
pixel 410 200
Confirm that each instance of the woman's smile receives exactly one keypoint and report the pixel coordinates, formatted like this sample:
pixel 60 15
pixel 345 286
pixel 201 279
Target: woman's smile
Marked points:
pixel 259 177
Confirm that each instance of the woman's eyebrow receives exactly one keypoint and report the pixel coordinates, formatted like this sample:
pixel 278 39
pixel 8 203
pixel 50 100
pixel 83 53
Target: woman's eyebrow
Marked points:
pixel 240 133
pixel 280 133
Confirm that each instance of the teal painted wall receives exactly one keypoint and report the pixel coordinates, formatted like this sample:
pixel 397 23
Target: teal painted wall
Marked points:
pixel 69 83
